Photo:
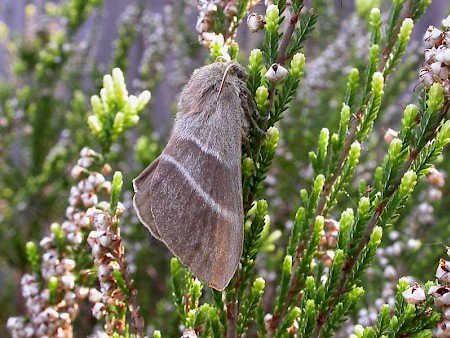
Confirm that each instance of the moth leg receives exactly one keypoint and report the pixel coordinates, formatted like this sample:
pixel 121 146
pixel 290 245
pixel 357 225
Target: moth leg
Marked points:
pixel 249 106
pixel 253 123
pixel 246 142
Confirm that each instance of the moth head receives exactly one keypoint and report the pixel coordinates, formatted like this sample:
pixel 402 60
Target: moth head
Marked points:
pixel 234 68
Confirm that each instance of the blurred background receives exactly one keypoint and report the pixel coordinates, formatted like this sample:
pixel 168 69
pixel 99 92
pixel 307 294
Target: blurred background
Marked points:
pixel 53 56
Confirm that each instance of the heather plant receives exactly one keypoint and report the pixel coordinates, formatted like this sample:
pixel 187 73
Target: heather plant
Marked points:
pixel 334 209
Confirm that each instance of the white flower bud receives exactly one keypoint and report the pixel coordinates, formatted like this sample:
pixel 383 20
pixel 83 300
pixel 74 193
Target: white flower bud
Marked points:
pixel 389 135
pixel 413 244
pixel 442 272
pixel 92 238
pixel 69 212
pixel 209 8
pixel 82 292
pixel 442 329
pixel 65 317
pixel 69 227
pixel 44 296
pixel 73 201
pixel 105 240
pixel 430 54
pixel 231 9
pixel 414 295
pixel 68 264
pixel 70 299
pixel 89 199
pixel 46 243
pixel 106 288
pixel 446 312
pixel 426 76
pixel 97 250
pixel 30 290
pixel 103 206
pixel 103 273
pixel 189 333
pixel 85 162
pixel 98 310
pixel 255 22
pixel 96 179
pixel 433 36
pixel 202 24
pixel 15 323
pixel 436 178
pixel 50 256
pixel 87 152
pixel 440 70
pixel 101 221
pixel 276 73
pixel 120 208
pixel 75 237
pixel 76 172
pixel 85 186
pixel 50 313
pixel 106 186
pixel 95 296
pixel 446 22
pixel 443 55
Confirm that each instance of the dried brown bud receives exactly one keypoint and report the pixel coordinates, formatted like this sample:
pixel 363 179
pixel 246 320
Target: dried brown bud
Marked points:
pixel 255 22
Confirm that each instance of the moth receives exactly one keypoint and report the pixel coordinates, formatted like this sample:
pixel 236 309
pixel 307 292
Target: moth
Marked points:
pixel 190 197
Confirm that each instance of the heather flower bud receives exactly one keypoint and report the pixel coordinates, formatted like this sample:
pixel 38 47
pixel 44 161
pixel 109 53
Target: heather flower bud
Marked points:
pixel 433 36
pixel 85 162
pixel 142 100
pixel 435 97
pixel 390 135
pixel 442 272
pixel 440 70
pixel 255 22
pixel 410 116
pixel 118 123
pixel 435 178
pixel 441 295
pixel 407 183
pixel 276 73
pixel 446 22
pixel 414 295
pixel 297 64
pixel 68 281
pixel 247 166
pixel 426 76
pixel 443 55
pixel 262 97
pixel 406 29
pixel 231 9
pixel 94 295
pixel 272 16
pixel 120 88
pixel 377 83
pixel 273 136
pixel 255 59
pixel 94 124
pixel 99 310
pixel 394 148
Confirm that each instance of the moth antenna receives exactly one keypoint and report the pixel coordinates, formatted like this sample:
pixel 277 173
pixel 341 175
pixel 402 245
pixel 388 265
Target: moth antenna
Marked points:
pixel 223 79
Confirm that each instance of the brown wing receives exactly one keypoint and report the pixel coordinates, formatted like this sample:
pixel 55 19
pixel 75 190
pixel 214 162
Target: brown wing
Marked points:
pixel 141 200
pixel 196 202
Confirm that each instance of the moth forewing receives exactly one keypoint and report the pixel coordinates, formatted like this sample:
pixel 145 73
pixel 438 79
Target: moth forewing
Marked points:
pixel 141 200
pixel 191 198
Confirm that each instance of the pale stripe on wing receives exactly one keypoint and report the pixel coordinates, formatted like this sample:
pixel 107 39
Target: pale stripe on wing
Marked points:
pixel 230 216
